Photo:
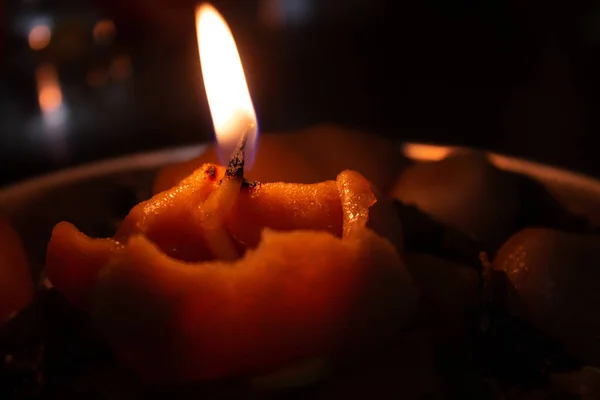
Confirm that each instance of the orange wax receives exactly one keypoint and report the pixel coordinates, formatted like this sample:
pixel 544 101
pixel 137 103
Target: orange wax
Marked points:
pixel 313 280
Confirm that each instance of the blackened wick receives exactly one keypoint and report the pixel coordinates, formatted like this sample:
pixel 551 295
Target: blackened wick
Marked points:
pixel 235 169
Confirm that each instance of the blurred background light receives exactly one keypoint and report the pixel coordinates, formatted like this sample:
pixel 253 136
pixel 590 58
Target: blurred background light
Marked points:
pixel 104 32
pixel 39 37
pixel 120 68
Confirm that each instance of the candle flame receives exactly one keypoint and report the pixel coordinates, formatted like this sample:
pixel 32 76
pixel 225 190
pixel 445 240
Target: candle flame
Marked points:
pixel 225 83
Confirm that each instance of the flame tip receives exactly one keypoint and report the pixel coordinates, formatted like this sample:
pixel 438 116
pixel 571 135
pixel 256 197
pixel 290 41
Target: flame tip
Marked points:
pixel 204 7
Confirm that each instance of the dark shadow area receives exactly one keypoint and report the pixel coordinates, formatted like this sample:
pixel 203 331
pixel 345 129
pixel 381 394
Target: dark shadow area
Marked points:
pixel 112 77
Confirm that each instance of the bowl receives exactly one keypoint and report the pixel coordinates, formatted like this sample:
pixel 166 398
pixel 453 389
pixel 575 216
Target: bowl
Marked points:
pixel 95 197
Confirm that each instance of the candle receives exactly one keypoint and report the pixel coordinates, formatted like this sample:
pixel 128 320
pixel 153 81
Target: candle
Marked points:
pixel 219 277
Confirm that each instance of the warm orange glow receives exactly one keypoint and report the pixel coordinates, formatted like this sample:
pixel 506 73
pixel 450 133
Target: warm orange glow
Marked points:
pixel 49 92
pixel 104 31
pixel 426 152
pixel 225 83
pixel 97 77
pixel 39 37
pixel 50 98
pixel 120 68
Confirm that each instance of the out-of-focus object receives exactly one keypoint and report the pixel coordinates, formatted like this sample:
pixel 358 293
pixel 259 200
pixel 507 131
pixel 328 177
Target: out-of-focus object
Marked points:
pixel 104 31
pixel 427 152
pixel 49 92
pixel 555 276
pixel 50 98
pixel 97 77
pixel 39 37
pixel 279 13
pixel 16 284
pixel 121 68
pixel 464 191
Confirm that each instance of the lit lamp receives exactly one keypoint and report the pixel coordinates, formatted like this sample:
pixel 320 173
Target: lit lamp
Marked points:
pixel 233 118
pixel 308 156
pixel 219 277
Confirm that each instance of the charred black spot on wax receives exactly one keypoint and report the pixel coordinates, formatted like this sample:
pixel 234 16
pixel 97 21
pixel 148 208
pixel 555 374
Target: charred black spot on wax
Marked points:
pixel 211 172
pixel 251 186
pixel 235 170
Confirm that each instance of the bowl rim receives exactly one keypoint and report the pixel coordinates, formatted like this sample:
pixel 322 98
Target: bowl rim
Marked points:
pixel 158 158
pixel 546 173
pixel 137 161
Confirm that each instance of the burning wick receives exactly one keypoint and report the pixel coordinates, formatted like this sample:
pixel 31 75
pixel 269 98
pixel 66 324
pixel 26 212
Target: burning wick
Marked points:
pixel 221 202
pixel 233 118
pixel 235 169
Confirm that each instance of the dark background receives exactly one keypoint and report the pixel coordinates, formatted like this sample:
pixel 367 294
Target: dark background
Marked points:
pixel 515 76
